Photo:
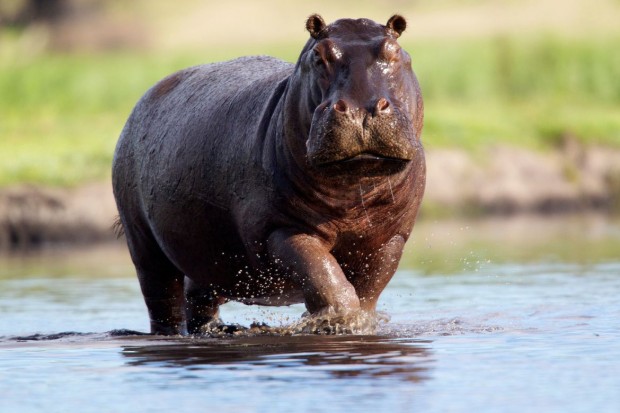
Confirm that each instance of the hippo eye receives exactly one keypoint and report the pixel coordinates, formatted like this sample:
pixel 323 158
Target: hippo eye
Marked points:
pixel 318 59
pixel 390 52
pixel 397 54
pixel 326 53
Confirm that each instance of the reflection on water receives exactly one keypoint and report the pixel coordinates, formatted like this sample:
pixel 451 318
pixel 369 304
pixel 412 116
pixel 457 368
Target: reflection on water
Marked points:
pixel 340 356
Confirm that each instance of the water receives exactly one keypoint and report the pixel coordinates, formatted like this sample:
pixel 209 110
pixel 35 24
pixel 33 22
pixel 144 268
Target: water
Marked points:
pixel 504 315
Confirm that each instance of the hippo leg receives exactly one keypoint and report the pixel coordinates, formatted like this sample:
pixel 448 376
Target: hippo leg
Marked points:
pixel 202 306
pixel 315 271
pixel 164 300
pixel 161 284
pixel 370 281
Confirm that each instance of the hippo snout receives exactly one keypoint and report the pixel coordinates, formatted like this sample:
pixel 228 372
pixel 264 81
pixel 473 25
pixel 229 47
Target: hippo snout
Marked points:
pixel 343 131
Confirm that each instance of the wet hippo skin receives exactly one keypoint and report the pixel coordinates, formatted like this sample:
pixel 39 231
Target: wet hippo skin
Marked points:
pixel 269 183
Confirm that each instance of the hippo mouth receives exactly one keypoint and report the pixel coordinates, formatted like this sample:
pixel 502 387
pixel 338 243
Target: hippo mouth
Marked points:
pixel 365 158
pixel 364 164
pixel 373 157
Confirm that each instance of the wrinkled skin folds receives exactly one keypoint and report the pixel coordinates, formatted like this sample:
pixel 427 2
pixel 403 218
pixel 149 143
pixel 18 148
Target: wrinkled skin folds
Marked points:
pixel 269 183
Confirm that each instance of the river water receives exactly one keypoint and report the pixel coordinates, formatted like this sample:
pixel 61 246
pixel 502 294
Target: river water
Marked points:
pixel 504 315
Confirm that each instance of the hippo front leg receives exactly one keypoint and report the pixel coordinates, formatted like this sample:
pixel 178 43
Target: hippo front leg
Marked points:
pixel 373 274
pixel 315 271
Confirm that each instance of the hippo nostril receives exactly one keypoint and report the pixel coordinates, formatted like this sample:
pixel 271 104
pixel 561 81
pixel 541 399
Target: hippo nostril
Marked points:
pixel 382 106
pixel 341 106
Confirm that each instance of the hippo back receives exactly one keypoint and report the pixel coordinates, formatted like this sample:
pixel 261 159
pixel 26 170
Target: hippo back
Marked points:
pixel 197 118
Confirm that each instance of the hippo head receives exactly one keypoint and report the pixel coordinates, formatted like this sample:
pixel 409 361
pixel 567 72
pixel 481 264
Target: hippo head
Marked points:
pixel 363 95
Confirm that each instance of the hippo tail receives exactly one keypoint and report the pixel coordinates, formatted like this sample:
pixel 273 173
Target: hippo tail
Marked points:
pixel 118 228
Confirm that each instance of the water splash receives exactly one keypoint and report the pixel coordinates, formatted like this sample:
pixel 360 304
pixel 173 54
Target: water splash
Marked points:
pixel 362 322
pixel 329 323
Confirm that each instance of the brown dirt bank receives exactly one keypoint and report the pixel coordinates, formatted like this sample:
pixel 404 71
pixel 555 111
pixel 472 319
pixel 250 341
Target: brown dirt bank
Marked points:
pixel 497 180
pixel 32 216
pixel 502 180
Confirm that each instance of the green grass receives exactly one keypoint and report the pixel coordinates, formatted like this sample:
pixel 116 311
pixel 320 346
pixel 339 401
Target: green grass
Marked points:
pixel 60 115
pixel 528 92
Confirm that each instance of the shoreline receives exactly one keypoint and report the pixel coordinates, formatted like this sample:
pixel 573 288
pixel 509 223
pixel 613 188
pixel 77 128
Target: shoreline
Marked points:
pixel 497 181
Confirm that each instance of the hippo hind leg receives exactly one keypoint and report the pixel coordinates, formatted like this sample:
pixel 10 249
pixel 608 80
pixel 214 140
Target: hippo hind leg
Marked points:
pixel 201 307
pixel 161 283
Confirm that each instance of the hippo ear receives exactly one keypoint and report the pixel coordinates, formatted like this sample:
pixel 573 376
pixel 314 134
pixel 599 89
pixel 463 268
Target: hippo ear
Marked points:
pixel 397 24
pixel 315 24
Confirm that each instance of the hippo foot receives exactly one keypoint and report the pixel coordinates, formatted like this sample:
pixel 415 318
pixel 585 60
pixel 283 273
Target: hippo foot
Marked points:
pixel 332 323
pixel 218 329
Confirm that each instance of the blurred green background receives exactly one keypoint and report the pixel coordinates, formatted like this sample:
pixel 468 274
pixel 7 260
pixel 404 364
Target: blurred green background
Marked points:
pixel 517 72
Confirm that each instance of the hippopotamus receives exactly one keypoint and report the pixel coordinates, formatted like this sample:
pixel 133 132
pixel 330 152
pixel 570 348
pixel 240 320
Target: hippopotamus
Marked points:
pixel 271 183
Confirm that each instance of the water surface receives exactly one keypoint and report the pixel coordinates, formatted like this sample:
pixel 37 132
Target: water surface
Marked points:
pixel 504 315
